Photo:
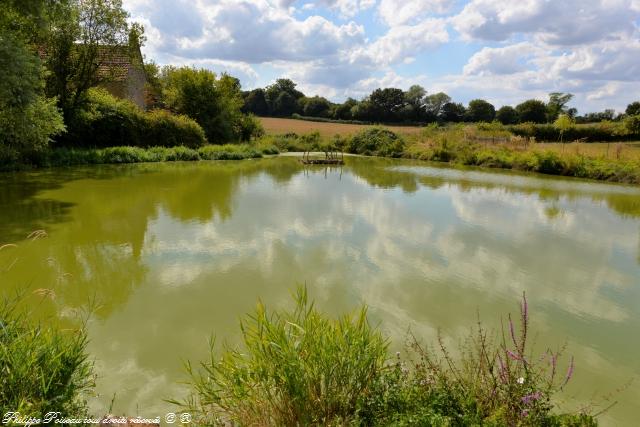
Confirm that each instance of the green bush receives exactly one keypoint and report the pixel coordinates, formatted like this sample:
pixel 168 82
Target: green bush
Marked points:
pixel 107 121
pixel 228 152
pixel 41 368
pixel 162 128
pixel 249 127
pixel 376 141
pixel 298 368
pixel 604 131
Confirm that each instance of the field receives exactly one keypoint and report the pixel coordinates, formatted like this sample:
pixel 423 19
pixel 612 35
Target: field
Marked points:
pixel 623 151
pixel 277 126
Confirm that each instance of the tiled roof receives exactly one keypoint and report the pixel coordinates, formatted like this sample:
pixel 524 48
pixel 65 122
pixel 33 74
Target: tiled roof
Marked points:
pixel 114 61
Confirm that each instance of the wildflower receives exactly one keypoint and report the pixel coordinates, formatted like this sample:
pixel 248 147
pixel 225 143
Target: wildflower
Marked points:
pixel 569 373
pixel 513 355
pixel 520 380
pixel 531 397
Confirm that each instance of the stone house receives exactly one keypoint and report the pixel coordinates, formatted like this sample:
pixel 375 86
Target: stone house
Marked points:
pixel 123 72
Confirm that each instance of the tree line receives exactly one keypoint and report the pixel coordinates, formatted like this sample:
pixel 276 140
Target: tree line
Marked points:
pixel 415 105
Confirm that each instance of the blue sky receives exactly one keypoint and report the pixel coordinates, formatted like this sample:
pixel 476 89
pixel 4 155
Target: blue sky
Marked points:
pixel 504 51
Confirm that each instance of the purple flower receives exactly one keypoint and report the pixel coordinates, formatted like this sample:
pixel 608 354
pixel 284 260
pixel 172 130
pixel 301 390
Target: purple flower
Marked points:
pixel 531 397
pixel 513 355
pixel 513 333
pixel 569 373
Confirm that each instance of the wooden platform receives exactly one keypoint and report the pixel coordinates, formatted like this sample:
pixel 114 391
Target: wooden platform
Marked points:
pixel 322 161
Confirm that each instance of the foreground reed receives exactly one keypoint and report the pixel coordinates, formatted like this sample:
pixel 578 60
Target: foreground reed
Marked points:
pixel 299 367
pixel 42 369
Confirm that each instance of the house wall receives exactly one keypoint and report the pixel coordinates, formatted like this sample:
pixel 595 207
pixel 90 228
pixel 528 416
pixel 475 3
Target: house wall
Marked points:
pixel 135 86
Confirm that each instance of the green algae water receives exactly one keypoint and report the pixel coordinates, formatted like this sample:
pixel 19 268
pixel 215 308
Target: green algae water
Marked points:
pixel 162 257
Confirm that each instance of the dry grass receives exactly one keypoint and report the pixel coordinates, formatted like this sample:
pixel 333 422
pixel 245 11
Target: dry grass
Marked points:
pixel 613 150
pixel 276 126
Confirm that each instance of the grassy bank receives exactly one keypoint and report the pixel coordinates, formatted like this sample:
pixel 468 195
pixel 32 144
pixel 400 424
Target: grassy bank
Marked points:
pixel 79 156
pixel 495 148
pixel 300 367
pixel 488 145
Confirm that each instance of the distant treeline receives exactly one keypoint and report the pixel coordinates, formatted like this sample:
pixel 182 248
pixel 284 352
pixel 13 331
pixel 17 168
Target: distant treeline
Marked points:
pixel 393 105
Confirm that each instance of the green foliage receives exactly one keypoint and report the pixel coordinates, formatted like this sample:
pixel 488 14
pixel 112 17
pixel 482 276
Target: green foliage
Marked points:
pixel 28 120
pixel 297 368
pixel 249 127
pixel 75 48
pixel 326 120
pixel 480 110
pixel 507 115
pixel 128 154
pixel 453 112
pixel 533 111
pixel 255 102
pixel 42 369
pixel 315 106
pixel 632 125
pixel 108 121
pixel 633 109
pixel 212 102
pixel 162 128
pixel 563 123
pixel 601 132
pixel 282 98
pixel 376 141
pixel 557 105
pixel 25 132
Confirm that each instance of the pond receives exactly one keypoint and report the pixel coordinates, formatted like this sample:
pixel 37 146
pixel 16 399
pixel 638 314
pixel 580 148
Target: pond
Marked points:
pixel 164 256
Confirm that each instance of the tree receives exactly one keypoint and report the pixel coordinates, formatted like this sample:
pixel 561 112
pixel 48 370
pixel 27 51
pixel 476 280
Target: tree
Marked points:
pixel 282 97
pixel 315 106
pixel 386 103
pixel 632 125
pixel 563 123
pixel 414 100
pixel 256 103
pixel 633 109
pixel 213 103
pixel 343 111
pixel 452 112
pixel 433 104
pixel 532 110
pixel 480 110
pixel 507 115
pixel 28 119
pixel 153 86
pixel 557 104
pixel 363 111
pixel 285 104
pixel 75 47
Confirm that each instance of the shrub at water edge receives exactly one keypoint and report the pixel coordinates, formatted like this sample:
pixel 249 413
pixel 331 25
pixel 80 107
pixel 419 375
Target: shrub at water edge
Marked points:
pixel 376 141
pixel 107 121
pixel 299 367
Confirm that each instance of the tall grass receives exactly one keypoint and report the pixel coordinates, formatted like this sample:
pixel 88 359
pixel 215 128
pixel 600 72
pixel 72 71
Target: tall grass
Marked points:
pixel 299 367
pixel 126 154
pixel 42 369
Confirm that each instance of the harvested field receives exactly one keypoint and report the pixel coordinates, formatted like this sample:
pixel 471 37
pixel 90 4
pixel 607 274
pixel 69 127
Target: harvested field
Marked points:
pixel 276 126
